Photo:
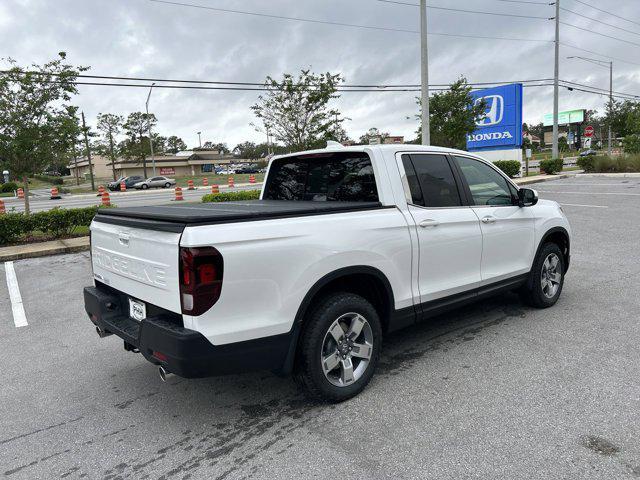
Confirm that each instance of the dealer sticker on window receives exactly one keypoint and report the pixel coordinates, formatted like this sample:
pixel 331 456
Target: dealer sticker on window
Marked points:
pixel 137 310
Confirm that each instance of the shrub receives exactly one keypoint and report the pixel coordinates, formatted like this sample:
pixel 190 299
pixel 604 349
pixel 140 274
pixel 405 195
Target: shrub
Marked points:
pixel 8 187
pixel 631 143
pixel 552 166
pixel 232 196
pixel 57 222
pixel 50 179
pixel 510 167
pixel 588 164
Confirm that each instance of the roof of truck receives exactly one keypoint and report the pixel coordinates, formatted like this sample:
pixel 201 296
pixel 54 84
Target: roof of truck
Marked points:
pixel 395 147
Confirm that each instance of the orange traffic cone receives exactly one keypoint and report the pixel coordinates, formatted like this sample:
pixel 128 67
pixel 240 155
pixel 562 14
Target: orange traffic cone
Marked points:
pixel 179 194
pixel 215 189
pixel 100 190
pixel 190 185
pixel 231 184
pixel 54 194
pixel 2 209
pixel 123 187
pixel 106 200
pixel 20 193
pixel 205 182
pixel 252 179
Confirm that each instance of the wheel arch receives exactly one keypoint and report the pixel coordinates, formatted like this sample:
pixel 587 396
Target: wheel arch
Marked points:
pixel 364 280
pixel 560 237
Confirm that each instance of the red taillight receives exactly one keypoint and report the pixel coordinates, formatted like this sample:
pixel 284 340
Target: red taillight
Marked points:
pixel 160 356
pixel 201 271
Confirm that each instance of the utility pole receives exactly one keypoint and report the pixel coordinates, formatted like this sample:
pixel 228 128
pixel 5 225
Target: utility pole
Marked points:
pixel 86 144
pixel 610 103
pixel 75 161
pixel 556 73
pixel 199 139
pixel 424 74
pixel 153 159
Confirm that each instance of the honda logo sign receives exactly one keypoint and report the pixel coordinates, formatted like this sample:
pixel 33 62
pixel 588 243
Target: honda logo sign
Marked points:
pixel 494 110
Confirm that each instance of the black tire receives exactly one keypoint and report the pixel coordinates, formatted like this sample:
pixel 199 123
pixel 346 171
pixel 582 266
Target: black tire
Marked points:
pixel 167 185
pixel 532 292
pixel 145 186
pixel 308 371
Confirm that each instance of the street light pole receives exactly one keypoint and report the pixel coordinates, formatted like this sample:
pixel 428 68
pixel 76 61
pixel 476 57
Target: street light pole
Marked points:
pixel 424 74
pixel 556 73
pixel 610 103
pixel 199 139
pixel 602 63
pixel 153 160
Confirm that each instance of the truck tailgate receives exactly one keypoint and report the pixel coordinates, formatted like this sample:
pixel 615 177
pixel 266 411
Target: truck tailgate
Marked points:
pixel 140 262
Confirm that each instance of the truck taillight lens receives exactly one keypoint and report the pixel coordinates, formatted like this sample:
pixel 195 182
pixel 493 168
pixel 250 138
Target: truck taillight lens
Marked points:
pixel 200 279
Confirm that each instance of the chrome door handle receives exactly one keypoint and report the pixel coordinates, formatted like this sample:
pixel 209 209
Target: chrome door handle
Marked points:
pixel 488 219
pixel 429 223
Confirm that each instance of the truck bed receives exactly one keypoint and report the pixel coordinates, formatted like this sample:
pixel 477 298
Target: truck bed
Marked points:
pixel 175 218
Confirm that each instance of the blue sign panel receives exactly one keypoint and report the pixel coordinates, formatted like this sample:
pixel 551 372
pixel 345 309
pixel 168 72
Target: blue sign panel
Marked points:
pixel 501 127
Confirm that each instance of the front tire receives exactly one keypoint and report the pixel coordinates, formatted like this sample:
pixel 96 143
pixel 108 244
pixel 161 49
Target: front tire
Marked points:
pixel 144 186
pixel 546 279
pixel 167 185
pixel 339 347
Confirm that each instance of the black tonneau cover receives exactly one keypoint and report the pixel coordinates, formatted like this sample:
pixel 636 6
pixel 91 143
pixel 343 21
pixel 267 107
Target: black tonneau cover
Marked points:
pixel 175 217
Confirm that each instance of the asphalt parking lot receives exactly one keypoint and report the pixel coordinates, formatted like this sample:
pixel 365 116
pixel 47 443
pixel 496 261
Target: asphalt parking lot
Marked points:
pixel 495 390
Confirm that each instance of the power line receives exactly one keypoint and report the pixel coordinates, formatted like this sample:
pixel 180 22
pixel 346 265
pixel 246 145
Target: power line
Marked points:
pixel 341 24
pixel 599 54
pixel 606 11
pixel 531 2
pixel 458 10
pixel 598 33
pixel 599 21
pixel 260 84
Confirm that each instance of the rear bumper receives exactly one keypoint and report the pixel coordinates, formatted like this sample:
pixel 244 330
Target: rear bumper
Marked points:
pixel 184 352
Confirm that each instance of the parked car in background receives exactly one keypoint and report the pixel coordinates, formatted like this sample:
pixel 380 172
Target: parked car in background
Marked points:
pixel 155 182
pixel 248 169
pixel 128 181
pixel 360 241
pixel 588 153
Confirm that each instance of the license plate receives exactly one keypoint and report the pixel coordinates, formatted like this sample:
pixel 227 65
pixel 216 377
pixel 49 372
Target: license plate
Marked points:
pixel 137 310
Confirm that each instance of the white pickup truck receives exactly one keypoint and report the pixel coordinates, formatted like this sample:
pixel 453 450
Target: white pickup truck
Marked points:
pixel 344 246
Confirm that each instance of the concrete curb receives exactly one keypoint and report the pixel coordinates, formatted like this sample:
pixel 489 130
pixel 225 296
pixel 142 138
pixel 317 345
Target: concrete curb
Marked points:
pixel 545 178
pixel 43 249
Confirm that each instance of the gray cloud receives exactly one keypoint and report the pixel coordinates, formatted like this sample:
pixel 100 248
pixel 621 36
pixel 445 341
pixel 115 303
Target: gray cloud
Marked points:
pixel 138 37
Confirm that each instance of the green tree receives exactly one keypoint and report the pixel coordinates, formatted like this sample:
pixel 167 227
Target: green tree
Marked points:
pixel 110 126
pixel 136 146
pixel 453 115
pixel 296 110
pixel 35 115
pixel 175 144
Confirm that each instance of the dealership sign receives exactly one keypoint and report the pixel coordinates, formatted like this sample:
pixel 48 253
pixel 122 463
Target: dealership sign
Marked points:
pixel 501 125
pixel 167 171
pixel 564 118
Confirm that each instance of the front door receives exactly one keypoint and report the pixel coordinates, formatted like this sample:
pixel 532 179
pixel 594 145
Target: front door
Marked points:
pixel 507 229
pixel 449 236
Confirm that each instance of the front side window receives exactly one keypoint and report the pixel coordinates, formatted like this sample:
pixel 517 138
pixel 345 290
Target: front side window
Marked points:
pixel 339 176
pixel 487 186
pixel 431 180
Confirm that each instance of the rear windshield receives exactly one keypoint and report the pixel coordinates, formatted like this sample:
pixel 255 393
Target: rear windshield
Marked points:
pixel 339 176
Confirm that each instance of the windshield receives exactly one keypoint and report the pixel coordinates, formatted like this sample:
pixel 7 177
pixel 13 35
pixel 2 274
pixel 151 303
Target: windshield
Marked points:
pixel 339 176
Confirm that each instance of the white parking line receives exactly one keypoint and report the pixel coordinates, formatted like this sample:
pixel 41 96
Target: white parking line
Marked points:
pixel 592 193
pixel 19 317
pixel 580 205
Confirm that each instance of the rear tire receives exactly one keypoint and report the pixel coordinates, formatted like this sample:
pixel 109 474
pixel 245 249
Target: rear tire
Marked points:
pixel 544 286
pixel 339 347
pixel 145 186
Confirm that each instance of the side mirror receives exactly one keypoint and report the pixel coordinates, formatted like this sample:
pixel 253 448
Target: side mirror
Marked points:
pixel 527 197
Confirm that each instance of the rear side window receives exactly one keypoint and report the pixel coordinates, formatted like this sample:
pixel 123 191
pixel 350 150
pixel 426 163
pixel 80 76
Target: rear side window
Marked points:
pixel 431 181
pixel 339 176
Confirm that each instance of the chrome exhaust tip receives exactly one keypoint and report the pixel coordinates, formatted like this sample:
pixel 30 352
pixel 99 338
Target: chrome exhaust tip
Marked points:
pixel 102 333
pixel 164 373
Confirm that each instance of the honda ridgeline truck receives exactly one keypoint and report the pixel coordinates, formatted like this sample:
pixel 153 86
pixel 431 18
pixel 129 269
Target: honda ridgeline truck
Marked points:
pixel 344 246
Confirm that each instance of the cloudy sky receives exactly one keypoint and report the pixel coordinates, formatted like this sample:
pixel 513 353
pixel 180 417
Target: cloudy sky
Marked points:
pixel 149 39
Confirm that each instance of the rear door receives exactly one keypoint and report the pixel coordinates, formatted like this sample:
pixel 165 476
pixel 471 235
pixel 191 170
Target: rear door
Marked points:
pixel 142 263
pixel 448 231
pixel 507 229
